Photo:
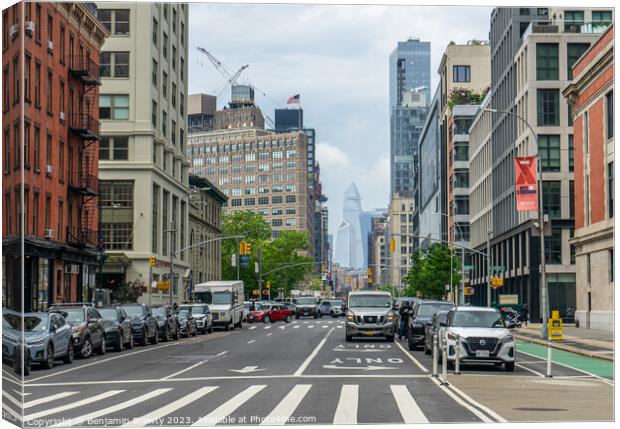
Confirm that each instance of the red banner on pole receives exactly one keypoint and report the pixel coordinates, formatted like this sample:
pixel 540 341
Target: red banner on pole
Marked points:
pixel 525 172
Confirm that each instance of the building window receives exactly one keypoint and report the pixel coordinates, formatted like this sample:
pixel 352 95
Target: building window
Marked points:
pixel 610 253
pixel 114 148
pixel 114 64
pixel 7 150
pixel 37 85
pixel 164 48
pixel 461 205
pixel 552 198
pixel 249 202
pixel 571 153
pixel 461 73
pixel 547 61
pixel 276 200
pixel 461 178
pixel 263 200
pixel 155 219
pixel 37 148
pixel 290 198
pixel 461 152
pixel 164 84
pixel 549 148
pixel 609 114
pixel 50 92
pixel 573 20
pixel 602 17
pixel 571 198
pixel 548 107
pixel 291 222
pixel 574 51
pixel 114 107
pixel 164 120
pixel 610 189
pixel 117 235
pixel 553 247
pixel 276 222
pixel 236 202
pixel 154 113
pixel 115 20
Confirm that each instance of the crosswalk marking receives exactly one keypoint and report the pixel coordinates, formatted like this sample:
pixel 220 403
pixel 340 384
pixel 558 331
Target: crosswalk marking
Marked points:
pixel 324 326
pixel 296 326
pixel 108 410
pixel 267 327
pixel 346 412
pixel 311 326
pixel 252 327
pixel 47 399
pixel 11 398
pixel 283 411
pixel 73 405
pixel 408 407
pixel 339 326
pixel 170 408
pixel 282 327
pixel 229 406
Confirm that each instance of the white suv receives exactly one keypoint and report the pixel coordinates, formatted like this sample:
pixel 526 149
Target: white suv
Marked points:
pixel 484 337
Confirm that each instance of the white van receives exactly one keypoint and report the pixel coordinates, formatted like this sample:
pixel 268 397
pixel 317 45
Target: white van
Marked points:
pixel 225 299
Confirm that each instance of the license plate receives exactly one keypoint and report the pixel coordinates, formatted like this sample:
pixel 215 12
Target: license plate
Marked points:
pixel 482 353
pixel 368 334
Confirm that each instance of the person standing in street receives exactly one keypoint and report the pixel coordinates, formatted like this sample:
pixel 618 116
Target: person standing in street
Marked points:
pixel 524 314
pixel 405 311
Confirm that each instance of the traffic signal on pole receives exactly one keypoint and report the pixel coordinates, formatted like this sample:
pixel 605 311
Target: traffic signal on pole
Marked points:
pixel 392 245
pixel 248 248
pixel 268 284
pixel 151 261
pixel 242 248
pixel 369 271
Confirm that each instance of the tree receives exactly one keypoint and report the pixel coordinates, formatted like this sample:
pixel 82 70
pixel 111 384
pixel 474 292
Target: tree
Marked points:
pixel 285 264
pixel 430 272
pixel 127 292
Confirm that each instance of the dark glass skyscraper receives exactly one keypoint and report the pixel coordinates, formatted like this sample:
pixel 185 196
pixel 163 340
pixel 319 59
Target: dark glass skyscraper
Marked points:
pixel 410 81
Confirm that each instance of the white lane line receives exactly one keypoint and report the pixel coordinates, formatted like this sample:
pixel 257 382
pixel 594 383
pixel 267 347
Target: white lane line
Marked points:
pixel 531 370
pixel 267 327
pixel 222 353
pixel 311 326
pixel 154 416
pixel 339 326
pixel 12 412
pixel 47 399
pixel 296 327
pixel 270 334
pixel 251 341
pixel 324 326
pixel 229 407
pixel 251 328
pixel 12 399
pixel 410 356
pixel 306 322
pixel 282 327
pixel 346 412
pixel 283 411
pixel 73 404
pixel 114 408
pixel 185 370
pixel 408 407
pixel 9 377
pixel 478 404
pixel 304 365
pixel 461 402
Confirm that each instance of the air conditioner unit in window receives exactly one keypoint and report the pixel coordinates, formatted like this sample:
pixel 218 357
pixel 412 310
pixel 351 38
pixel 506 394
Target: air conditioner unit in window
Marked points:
pixel 14 31
pixel 29 27
pixel 48 169
pixel 48 233
pixel 62 116
pixel 50 46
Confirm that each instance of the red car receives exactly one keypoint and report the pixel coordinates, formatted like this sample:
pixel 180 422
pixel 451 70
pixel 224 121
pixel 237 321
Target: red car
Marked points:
pixel 270 312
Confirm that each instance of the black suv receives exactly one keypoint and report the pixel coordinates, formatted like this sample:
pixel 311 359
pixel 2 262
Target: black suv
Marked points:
pixel 117 326
pixel 167 322
pixel 87 326
pixel 143 324
pixel 422 314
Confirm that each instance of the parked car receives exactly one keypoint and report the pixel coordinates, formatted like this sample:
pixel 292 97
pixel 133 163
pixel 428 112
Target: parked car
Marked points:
pixel 306 306
pixel 187 323
pixel 370 313
pixel 203 316
pixel 399 301
pixel 483 334
pixel 291 307
pixel 431 328
pixel 167 322
pixel 46 337
pixel 117 327
pixel 422 313
pixel 87 326
pixel 143 324
pixel 332 308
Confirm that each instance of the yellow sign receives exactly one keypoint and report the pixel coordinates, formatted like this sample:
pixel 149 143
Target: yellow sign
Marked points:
pixel 369 271
pixel 323 268
pixel 151 261
pixel 348 279
pixel 163 285
pixel 369 279
pixel 266 292
pixel 554 325
pixel 468 291
pixel 255 292
pixel 392 245
pixel 497 281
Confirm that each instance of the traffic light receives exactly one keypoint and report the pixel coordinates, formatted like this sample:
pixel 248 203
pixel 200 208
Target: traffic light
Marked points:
pixel 151 261
pixel 369 271
pixel 268 284
pixel 242 248
pixel 248 248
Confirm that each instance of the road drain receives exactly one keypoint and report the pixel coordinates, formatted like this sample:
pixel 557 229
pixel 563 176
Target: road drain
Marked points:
pixel 538 409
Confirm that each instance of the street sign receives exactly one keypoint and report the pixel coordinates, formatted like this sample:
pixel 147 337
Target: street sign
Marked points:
pixel 468 291
pixel 498 268
pixel 244 261
pixel 468 267
pixel 255 291
pixel 497 281
pixel 508 299
pixel 233 260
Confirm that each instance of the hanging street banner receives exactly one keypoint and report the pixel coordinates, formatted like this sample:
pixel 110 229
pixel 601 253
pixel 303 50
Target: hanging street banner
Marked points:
pixel 525 172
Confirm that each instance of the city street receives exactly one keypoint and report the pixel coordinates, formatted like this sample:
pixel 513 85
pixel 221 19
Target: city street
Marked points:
pixel 302 372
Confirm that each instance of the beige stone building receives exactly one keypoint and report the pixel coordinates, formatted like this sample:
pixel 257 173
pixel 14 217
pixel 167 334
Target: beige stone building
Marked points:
pixel 400 229
pixel 378 250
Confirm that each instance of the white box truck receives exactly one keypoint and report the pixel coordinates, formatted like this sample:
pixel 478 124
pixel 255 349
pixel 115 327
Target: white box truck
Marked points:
pixel 225 299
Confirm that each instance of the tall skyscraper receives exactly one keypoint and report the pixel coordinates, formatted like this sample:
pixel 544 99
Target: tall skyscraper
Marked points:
pixel 410 82
pixel 349 247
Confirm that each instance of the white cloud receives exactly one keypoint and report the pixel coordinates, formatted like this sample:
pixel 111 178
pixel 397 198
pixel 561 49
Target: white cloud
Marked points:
pixel 331 157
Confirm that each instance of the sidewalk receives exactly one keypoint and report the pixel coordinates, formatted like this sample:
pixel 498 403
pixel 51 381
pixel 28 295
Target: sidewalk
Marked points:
pixel 587 342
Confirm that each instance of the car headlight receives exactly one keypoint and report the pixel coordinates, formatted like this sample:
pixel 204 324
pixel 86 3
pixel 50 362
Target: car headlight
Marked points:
pixel 222 314
pixel 390 317
pixel 350 317
pixel 508 338
pixel 77 329
pixel 36 342
pixel 451 336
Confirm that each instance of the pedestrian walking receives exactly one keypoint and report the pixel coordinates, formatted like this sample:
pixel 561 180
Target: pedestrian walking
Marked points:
pixel 524 314
pixel 405 312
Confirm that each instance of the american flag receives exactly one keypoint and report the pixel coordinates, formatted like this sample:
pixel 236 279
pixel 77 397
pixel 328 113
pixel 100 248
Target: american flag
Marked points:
pixel 295 99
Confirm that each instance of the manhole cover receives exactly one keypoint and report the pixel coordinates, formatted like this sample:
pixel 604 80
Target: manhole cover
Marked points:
pixel 539 409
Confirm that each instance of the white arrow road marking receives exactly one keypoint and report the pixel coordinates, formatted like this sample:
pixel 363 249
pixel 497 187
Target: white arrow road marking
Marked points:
pixel 247 369
pixel 229 407
pixel 346 412
pixel 73 405
pixel 47 399
pixel 251 328
pixel 283 411
pixel 170 408
pixel 408 407
pixel 251 341
pixel 114 408
pixel 362 368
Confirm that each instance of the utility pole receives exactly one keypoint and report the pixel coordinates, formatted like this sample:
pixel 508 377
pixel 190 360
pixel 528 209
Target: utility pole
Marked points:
pixel 238 262
pixel 171 280
pixel 489 232
pixel 260 271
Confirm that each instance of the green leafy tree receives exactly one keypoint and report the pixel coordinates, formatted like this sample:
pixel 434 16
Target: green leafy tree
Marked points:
pixel 127 292
pixel 285 260
pixel 430 272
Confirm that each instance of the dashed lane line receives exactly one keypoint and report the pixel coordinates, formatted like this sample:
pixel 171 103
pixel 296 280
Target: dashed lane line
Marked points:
pixel 184 370
pixel 251 341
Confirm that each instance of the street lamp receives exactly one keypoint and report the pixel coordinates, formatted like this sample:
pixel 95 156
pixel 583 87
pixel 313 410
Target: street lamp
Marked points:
pixel 541 221
pixel 461 298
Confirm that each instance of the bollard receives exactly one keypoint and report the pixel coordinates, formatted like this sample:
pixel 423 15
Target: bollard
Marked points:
pixel 435 356
pixel 457 357
pixel 444 362
pixel 549 357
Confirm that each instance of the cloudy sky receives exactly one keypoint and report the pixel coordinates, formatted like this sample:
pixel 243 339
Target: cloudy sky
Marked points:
pixel 336 57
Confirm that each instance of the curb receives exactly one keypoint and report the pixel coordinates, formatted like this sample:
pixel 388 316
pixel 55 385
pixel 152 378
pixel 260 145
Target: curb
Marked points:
pixel 560 346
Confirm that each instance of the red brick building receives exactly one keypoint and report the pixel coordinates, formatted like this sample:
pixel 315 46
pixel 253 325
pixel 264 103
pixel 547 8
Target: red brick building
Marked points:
pixel 591 97
pixel 50 126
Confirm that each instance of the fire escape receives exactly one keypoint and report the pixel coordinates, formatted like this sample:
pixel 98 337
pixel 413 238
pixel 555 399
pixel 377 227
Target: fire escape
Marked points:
pixel 84 127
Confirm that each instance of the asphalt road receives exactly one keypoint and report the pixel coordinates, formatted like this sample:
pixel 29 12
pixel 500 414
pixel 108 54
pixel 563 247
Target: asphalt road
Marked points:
pixel 302 372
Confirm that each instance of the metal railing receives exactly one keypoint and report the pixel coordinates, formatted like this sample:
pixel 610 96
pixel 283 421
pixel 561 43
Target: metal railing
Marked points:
pixel 84 181
pixel 84 125
pixel 84 68
pixel 80 236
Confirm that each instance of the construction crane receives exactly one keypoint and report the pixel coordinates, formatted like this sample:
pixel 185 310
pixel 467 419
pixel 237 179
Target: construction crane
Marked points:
pixel 230 77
